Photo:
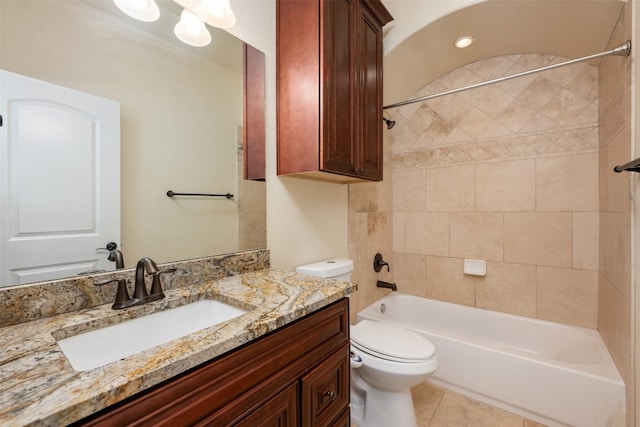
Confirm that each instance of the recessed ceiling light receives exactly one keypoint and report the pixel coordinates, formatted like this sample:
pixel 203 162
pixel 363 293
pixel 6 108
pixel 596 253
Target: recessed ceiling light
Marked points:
pixel 464 41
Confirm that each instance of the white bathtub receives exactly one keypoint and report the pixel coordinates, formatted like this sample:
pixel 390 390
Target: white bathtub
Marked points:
pixel 548 372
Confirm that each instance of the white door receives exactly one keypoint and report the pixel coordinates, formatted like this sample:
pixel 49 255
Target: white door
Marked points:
pixel 59 180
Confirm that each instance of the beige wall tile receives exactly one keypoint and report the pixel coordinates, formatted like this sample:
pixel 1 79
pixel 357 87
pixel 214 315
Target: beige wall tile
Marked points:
pixel 506 186
pixel 614 324
pixel 586 242
pixel 568 296
pixel 494 102
pixel 615 194
pixel 450 189
pixel 567 183
pixel 516 115
pixel 364 197
pixel 539 92
pixel 474 123
pixel 398 232
pixel 477 235
pixel 454 109
pixel 615 230
pixel 538 238
pixel 510 288
pixel 372 231
pixel 447 282
pixel 427 233
pixel 612 118
pixel 409 190
pixel 410 273
pixel 565 107
pixel 491 68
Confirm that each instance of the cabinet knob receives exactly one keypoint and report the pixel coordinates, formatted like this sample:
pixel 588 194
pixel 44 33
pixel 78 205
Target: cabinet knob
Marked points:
pixel 331 394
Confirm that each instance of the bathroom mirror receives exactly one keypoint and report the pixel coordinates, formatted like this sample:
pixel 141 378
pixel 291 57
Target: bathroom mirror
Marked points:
pixel 181 119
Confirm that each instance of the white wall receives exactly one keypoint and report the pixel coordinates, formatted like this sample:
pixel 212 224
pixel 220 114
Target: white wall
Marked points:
pixel 306 220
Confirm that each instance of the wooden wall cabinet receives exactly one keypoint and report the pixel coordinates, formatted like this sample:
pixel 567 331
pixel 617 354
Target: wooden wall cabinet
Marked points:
pixel 329 88
pixel 297 375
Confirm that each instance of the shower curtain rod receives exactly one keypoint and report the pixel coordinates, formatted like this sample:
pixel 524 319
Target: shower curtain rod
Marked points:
pixel 622 50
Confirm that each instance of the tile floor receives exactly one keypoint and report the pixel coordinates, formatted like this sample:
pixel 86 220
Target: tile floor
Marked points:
pixel 439 407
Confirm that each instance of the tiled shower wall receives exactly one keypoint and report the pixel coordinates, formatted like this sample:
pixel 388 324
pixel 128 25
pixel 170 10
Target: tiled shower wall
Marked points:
pixel 370 232
pixel 507 173
pixel 615 296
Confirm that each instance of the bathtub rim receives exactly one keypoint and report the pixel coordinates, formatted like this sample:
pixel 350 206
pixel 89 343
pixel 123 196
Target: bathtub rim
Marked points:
pixel 603 369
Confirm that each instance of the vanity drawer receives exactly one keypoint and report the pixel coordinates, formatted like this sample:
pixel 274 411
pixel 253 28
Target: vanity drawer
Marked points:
pixel 325 390
pixel 282 410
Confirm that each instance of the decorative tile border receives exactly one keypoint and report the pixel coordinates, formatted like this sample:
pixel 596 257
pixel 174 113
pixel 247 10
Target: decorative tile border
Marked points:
pixel 581 140
pixel 555 112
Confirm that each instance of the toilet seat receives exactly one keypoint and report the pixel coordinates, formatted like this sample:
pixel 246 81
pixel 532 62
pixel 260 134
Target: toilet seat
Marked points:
pixel 390 342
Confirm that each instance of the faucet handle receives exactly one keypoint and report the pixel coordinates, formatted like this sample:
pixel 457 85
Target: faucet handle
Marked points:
pixel 378 263
pixel 156 286
pixel 123 300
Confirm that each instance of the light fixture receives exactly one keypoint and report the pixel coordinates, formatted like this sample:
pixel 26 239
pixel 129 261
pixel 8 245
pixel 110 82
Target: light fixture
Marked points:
pixel 464 41
pixel 191 30
pixel 142 10
pixel 216 13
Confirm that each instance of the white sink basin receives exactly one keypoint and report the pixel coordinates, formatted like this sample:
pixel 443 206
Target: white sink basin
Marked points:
pixel 97 348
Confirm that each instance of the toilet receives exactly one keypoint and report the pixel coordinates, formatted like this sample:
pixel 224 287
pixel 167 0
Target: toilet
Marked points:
pixel 386 361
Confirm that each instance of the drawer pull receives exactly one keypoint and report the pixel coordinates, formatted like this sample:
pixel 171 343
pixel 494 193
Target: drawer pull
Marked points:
pixel 331 394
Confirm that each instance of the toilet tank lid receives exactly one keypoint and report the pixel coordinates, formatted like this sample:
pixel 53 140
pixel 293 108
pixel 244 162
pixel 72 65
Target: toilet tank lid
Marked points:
pixel 328 268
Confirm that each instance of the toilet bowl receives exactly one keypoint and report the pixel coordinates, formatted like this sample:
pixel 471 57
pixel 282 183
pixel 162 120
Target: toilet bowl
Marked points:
pixel 386 361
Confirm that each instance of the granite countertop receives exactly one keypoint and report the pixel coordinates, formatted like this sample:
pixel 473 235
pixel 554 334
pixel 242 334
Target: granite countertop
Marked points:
pixel 38 386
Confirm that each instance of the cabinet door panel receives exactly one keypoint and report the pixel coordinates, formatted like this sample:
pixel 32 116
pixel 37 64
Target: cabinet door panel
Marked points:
pixel 370 82
pixel 338 86
pixel 325 390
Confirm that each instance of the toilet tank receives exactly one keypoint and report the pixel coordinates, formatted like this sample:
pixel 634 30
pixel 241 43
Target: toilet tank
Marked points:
pixel 335 268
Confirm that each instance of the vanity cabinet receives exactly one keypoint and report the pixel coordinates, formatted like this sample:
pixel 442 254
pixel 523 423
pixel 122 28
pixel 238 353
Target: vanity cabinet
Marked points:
pixel 297 375
pixel 329 88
